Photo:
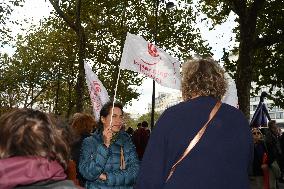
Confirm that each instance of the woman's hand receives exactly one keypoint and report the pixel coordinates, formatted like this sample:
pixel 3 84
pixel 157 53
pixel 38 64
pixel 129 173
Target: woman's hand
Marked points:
pixel 103 177
pixel 107 136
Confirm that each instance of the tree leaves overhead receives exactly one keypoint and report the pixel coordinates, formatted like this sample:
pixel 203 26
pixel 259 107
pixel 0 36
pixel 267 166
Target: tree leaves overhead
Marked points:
pixel 269 58
pixel 45 64
pixel 6 9
pixel 260 37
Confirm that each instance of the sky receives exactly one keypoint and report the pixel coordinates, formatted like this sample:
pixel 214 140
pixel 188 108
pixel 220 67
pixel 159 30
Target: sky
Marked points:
pixel 219 38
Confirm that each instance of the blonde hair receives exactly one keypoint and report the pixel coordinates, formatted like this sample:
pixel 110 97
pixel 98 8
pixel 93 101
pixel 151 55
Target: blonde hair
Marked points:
pixel 203 77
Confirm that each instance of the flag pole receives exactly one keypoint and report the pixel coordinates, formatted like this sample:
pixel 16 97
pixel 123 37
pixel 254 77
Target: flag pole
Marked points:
pixel 155 40
pixel 121 47
pixel 114 98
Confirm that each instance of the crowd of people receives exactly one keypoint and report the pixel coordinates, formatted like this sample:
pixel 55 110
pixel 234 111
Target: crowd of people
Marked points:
pixel 199 143
pixel 267 170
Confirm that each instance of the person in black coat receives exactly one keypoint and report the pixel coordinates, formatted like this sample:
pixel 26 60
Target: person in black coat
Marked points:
pixel 282 158
pixel 220 159
pixel 272 142
pixel 140 139
pixel 260 172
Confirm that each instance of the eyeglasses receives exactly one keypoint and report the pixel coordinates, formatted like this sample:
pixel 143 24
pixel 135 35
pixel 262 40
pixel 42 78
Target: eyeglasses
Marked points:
pixel 256 133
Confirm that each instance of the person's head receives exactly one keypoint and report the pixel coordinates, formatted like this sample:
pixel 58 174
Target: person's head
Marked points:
pixel 203 77
pixel 144 124
pixel 83 124
pixel 130 130
pixel 26 132
pixel 256 134
pixel 139 125
pixel 117 118
pixel 272 127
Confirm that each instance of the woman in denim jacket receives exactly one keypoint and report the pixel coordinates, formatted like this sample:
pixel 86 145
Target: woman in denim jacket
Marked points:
pixel 108 159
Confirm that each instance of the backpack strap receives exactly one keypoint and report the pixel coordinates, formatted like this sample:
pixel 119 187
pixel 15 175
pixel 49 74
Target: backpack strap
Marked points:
pixel 195 140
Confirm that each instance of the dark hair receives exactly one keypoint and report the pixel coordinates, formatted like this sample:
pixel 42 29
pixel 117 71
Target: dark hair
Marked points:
pixel 271 123
pixel 27 132
pixel 130 130
pixel 144 124
pixel 139 125
pixel 106 110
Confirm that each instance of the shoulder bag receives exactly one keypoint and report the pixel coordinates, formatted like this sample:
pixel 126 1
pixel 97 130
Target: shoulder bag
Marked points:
pixel 195 140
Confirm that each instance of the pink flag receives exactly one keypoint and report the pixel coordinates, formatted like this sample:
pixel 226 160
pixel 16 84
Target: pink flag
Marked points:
pixel 97 91
pixel 141 56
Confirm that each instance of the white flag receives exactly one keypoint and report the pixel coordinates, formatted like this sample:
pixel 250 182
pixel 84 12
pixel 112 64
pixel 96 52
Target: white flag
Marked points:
pixel 97 91
pixel 141 56
pixel 231 96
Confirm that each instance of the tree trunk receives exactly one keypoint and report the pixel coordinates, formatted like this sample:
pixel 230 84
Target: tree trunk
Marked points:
pixel 77 27
pixel 32 96
pixel 80 79
pixel 244 78
pixel 245 64
pixel 57 93
pixel 247 20
pixel 70 87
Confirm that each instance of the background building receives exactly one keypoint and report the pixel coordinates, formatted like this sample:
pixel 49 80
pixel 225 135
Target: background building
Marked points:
pixel 165 100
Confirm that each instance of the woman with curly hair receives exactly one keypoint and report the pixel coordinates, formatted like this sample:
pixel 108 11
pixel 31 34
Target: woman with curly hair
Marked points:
pixel 32 152
pixel 199 143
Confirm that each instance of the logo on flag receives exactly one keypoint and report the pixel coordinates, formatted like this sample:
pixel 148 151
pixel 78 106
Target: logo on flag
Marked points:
pixel 152 50
pixel 97 91
pixel 145 58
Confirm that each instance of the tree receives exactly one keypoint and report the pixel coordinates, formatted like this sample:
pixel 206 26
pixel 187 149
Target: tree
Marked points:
pixel 106 24
pixel 128 121
pixel 9 93
pixel 47 64
pixel 147 117
pixel 6 8
pixel 260 27
pixel 76 25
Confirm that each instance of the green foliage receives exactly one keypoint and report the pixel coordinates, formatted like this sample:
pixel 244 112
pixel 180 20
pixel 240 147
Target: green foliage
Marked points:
pixel 266 45
pixel 147 117
pixel 6 9
pixel 129 122
pixel 268 59
pixel 44 68
pixel 9 93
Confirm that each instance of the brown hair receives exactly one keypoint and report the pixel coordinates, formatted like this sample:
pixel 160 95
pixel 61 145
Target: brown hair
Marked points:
pixel 83 124
pixel 203 77
pixel 26 132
